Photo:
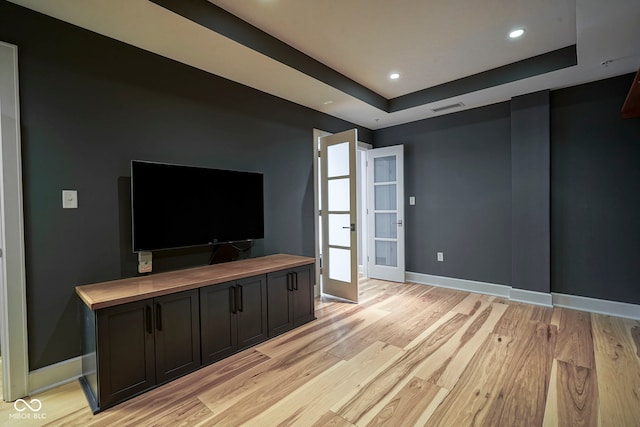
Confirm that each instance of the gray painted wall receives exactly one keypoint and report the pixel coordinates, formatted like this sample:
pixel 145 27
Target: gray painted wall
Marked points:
pixel 530 192
pixel 89 106
pixel 595 192
pixel 458 167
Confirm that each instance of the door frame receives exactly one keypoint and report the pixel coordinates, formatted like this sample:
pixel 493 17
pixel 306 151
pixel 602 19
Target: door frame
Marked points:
pixel 317 134
pixel 13 307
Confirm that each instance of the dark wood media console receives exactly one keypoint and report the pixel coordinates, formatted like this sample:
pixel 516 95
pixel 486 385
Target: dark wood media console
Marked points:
pixel 144 331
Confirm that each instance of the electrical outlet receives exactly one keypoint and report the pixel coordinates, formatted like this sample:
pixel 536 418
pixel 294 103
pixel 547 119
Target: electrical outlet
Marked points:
pixel 412 200
pixel 145 262
pixel 441 256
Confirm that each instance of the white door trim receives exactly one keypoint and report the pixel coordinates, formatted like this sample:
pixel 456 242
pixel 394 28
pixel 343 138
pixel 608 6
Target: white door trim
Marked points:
pixel 13 306
pixel 317 134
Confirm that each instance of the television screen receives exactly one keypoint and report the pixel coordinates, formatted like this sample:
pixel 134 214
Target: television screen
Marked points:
pixel 177 206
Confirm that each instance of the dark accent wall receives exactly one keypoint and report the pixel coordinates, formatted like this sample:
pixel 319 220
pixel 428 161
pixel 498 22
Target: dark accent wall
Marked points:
pixel 458 167
pixel 595 192
pixel 530 175
pixel 89 105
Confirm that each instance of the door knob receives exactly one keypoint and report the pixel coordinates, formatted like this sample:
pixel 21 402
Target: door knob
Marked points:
pixel 352 227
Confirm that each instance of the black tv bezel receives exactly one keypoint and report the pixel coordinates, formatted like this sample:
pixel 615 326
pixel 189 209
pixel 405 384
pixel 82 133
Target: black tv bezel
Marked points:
pixel 213 243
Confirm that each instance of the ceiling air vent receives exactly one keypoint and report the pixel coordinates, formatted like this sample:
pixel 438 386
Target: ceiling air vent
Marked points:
pixel 447 107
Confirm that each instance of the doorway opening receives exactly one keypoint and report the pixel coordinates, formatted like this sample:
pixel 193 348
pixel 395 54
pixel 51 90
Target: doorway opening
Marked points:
pixel 359 217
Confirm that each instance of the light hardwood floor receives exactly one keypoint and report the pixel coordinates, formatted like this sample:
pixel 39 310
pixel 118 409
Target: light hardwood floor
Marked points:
pixel 406 355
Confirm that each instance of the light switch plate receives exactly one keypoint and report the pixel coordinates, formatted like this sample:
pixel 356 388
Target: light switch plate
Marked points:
pixel 69 199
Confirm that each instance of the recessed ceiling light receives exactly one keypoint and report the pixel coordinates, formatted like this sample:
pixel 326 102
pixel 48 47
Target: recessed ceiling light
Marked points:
pixel 327 102
pixel 516 33
pixel 394 76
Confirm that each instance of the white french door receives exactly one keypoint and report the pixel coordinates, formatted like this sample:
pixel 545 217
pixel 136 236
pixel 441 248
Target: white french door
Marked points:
pixel 385 213
pixel 338 215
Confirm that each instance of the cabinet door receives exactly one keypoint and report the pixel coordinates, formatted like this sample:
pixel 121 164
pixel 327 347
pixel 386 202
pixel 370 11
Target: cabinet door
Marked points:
pixel 126 354
pixel 252 310
pixel 279 302
pixel 303 308
pixel 218 327
pixel 177 332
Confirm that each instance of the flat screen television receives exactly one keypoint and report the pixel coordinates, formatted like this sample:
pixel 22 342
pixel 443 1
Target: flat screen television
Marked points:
pixel 176 206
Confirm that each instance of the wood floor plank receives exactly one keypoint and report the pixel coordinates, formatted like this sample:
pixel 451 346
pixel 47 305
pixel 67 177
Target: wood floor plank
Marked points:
pixel 541 314
pixel 635 335
pixel 408 405
pixel 509 391
pixel 309 402
pixel 575 344
pixel 323 334
pixel 184 413
pixel 617 370
pixel 555 317
pixel 253 391
pixel 365 403
pixel 441 300
pixel 398 328
pixel 468 403
pixel 401 295
pixel 551 406
pixel 445 366
pixel 331 419
pixel 419 319
pixel 525 386
pixel 472 303
pixel 515 320
pixel 577 398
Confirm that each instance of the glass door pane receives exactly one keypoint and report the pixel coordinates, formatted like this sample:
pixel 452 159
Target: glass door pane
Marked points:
pixel 385 211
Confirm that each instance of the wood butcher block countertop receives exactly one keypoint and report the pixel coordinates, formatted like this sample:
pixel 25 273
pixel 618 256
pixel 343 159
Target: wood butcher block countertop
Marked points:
pixel 115 292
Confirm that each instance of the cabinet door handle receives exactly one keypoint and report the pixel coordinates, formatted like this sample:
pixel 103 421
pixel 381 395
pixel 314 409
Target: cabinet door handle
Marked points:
pixel 148 313
pixel 241 305
pixel 159 316
pixel 295 281
pixel 232 294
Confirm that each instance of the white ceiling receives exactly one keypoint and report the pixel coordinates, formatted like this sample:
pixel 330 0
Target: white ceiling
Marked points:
pixel 427 42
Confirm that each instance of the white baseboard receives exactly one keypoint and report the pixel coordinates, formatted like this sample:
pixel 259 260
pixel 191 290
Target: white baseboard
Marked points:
pixel 459 284
pixel 600 306
pixel 54 375
pixel 531 297
pixel 593 305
